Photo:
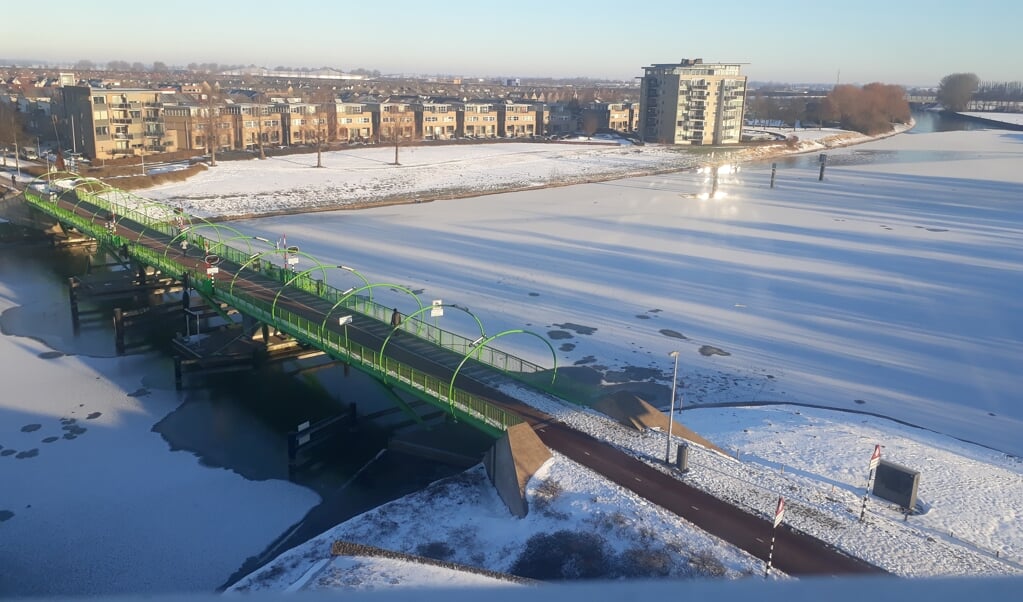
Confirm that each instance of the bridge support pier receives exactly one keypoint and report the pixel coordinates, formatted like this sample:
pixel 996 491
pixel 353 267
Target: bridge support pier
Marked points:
pixel 119 330
pixel 72 293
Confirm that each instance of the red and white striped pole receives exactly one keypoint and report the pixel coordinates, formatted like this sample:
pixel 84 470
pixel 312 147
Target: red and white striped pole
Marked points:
pixel 875 459
pixel 779 514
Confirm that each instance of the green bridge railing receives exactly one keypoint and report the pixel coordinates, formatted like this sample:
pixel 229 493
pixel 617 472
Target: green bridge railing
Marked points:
pixel 423 385
pixel 159 218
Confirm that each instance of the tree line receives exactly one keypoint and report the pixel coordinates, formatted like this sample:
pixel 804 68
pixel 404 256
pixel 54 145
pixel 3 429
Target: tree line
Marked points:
pixel 956 90
pixel 870 109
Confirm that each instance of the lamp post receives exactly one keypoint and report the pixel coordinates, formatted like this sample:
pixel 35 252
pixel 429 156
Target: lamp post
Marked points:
pixel 671 411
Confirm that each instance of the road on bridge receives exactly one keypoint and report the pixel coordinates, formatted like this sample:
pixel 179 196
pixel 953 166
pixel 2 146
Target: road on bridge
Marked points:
pixel 795 553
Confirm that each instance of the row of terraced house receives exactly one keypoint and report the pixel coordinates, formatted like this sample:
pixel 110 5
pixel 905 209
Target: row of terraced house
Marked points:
pixel 108 123
pixel 691 102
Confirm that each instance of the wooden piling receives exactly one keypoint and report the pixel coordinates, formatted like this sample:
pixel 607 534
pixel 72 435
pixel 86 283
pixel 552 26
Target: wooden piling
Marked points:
pixel 72 292
pixel 774 170
pixel 177 372
pixel 119 330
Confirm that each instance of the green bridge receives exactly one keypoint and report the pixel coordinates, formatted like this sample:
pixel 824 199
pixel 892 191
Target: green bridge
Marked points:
pixel 229 268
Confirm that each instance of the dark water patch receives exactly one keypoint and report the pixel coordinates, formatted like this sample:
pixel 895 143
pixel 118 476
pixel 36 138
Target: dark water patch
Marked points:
pixel 589 359
pixel 8 452
pixel 709 350
pixel 632 374
pixel 654 311
pixel 29 428
pixel 74 429
pixel 643 316
pixel 6 515
pixel 557 335
pixel 937 229
pixel 859 401
pixel 139 392
pixel 673 334
pixel 586 375
pixel 28 454
pixel 534 294
pixel 50 439
pixel 49 355
pixel 70 436
pixel 94 415
pixel 577 328
pixel 566 347
pixel 991 414
pixel 67 421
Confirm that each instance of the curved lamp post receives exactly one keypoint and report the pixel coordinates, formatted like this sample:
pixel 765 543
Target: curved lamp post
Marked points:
pixel 478 346
pixel 380 355
pixel 319 266
pixel 257 256
pixel 352 291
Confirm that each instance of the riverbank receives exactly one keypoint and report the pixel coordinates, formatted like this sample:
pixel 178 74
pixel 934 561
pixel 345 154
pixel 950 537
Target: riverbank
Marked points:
pixel 367 177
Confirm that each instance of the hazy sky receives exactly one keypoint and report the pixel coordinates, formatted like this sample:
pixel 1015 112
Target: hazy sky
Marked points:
pixel 906 42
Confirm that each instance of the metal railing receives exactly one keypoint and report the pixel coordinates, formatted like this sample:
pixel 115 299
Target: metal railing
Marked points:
pixel 335 343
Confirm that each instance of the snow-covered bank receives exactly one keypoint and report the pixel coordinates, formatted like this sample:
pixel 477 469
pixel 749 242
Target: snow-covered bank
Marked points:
pixel 367 176
pixel 816 459
pixel 92 501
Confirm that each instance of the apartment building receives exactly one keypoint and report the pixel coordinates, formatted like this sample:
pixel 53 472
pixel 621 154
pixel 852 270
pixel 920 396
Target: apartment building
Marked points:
pixel 692 103
pixel 301 123
pixel 254 124
pixel 350 122
pixel 515 119
pixel 562 119
pixel 109 123
pixel 394 120
pixel 479 119
pixel 437 120
pixel 179 121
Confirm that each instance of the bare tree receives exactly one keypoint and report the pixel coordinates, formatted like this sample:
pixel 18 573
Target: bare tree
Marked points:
pixel 12 129
pixel 397 126
pixel 590 122
pixel 211 111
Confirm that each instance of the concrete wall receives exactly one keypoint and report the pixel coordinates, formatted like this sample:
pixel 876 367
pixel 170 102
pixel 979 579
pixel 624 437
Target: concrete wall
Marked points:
pixel 511 462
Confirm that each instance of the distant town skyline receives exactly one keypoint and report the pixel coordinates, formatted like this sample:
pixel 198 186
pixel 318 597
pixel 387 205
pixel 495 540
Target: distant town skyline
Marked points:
pixel 910 42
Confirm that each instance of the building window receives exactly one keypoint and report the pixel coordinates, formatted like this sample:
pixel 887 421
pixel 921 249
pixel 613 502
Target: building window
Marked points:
pixel 249 124
pixel 102 130
pixel 99 100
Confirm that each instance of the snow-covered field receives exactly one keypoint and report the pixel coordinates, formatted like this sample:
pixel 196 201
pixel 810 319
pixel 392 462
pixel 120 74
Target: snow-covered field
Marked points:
pixel 1013 118
pixel 367 175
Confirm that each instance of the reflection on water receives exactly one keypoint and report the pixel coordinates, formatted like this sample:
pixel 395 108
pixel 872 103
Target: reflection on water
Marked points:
pixel 928 122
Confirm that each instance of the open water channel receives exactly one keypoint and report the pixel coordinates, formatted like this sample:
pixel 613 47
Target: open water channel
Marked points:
pixel 237 421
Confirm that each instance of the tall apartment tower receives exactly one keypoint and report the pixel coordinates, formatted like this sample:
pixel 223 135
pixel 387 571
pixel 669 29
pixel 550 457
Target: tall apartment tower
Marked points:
pixel 692 103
